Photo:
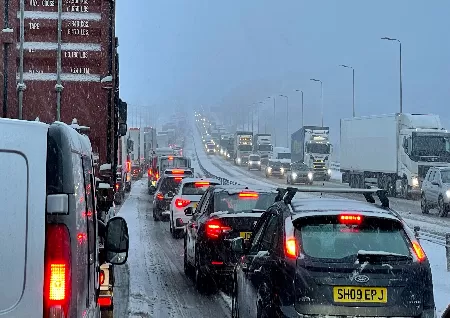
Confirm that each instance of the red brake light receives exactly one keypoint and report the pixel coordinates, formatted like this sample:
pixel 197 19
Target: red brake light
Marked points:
pixel 159 196
pixel 249 195
pixel 181 203
pixel 350 219
pixel 157 175
pixel 291 248
pixel 105 301
pixel 117 187
pixel 176 171
pixel 201 184
pixel 102 277
pixel 418 250
pixel 128 165
pixel 57 275
pixel 178 179
pixel 149 172
pixel 214 228
pixel 170 158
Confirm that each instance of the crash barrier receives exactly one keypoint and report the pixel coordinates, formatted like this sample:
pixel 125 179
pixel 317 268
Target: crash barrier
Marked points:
pixel 208 174
pixel 439 239
pixel 336 166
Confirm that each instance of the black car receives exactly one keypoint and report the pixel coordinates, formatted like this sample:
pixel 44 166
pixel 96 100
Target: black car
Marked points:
pixel 165 190
pixel 223 213
pixel 318 257
pixel 299 173
pixel 274 168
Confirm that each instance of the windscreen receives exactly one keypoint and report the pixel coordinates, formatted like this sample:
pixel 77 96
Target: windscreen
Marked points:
pixel 245 147
pixel 265 147
pixel 424 145
pixel 274 164
pixel 235 203
pixel 300 167
pixel 318 148
pixel 196 188
pixel 254 158
pixel 445 175
pixel 284 155
pixel 169 184
pixel 327 239
pixel 210 146
pixel 175 162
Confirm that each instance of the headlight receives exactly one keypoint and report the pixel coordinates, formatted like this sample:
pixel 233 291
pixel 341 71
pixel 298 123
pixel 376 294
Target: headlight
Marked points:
pixel 228 155
pixel 269 169
pixel 239 160
pixel 294 175
pixel 447 193
pixel 258 163
pixel 282 170
pixel 415 182
pixel 310 175
pixel 329 171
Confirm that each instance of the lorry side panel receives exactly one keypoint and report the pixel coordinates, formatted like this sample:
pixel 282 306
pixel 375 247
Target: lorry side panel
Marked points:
pixel 298 145
pixel 369 144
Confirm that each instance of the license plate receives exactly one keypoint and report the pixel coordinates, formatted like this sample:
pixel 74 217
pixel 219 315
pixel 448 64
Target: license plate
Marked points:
pixel 360 294
pixel 245 235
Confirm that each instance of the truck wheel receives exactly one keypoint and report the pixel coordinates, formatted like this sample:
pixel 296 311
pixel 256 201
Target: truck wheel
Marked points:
pixel 424 205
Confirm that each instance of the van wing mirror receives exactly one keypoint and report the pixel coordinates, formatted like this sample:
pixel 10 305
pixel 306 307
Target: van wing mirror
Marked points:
pixel 188 211
pixel 117 241
pixel 58 204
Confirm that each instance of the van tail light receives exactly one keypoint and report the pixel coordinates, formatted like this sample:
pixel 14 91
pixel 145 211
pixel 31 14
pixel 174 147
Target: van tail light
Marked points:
pixel 248 195
pixel 418 251
pixel 181 203
pixel 214 228
pixel 117 187
pixel 57 270
pixel 291 247
pixel 102 277
pixel 159 196
pixel 201 184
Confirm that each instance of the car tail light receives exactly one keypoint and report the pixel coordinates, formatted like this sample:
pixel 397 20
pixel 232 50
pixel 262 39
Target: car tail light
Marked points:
pixel 128 166
pixel 350 219
pixel 170 158
pixel 58 271
pixel 181 203
pixel 214 228
pixel 178 179
pixel 291 247
pixel 418 250
pixel 177 171
pixel 201 184
pixel 102 277
pixel 105 301
pixel 248 195
pixel 117 187
pixel 157 175
pixel 149 172
pixel 159 196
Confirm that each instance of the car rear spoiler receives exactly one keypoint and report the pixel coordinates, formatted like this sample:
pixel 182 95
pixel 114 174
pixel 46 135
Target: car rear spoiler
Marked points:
pixel 287 194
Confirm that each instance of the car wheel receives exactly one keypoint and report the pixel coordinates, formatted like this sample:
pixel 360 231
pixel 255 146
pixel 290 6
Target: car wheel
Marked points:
pixel 201 279
pixel 171 226
pixel 234 301
pixel 424 205
pixel 187 266
pixel 155 217
pixel 442 208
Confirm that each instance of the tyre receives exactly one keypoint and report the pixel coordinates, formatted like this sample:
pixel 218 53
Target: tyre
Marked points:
pixel 156 217
pixel 424 205
pixel 187 267
pixel 202 281
pixel 234 301
pixel 442 208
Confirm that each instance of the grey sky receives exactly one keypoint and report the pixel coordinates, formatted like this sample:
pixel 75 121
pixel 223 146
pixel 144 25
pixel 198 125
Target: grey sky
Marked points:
pixel 234 53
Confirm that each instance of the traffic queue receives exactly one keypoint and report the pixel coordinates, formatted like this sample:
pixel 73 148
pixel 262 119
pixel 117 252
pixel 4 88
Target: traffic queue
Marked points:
pixel 279 254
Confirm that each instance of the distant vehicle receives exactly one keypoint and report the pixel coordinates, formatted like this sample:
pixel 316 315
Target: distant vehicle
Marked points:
pixel 243 146
pixel 136 172
pixel 436 191
pixel 51 223
pixel 254 162
pixel 300 173
pixel 189 193
pixel 282 155
pixel 223 213
pixel 262 145
pixel 165 190
pixel 274 168
pixel 210 148
pixel 319 256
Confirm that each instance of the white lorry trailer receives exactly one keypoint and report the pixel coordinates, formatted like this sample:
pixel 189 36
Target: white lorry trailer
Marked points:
pixel 262 145
pixel 243 146
pixel 393 152
pixel 311 145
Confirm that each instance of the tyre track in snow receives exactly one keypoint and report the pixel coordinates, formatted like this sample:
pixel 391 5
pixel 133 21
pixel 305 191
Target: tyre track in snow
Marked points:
pixel 164 290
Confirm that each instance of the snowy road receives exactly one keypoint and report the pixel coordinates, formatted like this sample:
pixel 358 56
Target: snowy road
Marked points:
pixel 157 285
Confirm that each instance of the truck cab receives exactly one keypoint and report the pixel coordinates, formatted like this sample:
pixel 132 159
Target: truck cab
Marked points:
pixel 243 147
pixel 262 145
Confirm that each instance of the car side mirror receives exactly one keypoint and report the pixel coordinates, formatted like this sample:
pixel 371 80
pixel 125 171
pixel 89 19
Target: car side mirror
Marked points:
pixel 189 211
pixel 117 241
pixel 169 195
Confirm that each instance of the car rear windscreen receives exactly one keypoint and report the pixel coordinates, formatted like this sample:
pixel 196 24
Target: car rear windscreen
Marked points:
pixel 328 238
pixel 195 188
pixel 169 184
pixel 243 202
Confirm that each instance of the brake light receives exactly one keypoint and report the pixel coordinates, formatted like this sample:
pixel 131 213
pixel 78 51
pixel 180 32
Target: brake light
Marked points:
pixel 349 219
pixel 57 272
pixel 176 171
pixel 104 301
pixel 181 203
pixel 178 179
pixel 117 187
pixel 249 195
pixel 157 175
pixel 418 250
pixel 128 165
pixel 214 228
pixel 170 158
pixel 291 248
pixel 159 196
pixel 149 172
pixel 102 277
pixel 201 184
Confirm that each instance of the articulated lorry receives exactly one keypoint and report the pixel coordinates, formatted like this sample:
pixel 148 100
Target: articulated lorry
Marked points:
pixel 262 145
pixel 311 145
pixel 242 147
pixel 393 152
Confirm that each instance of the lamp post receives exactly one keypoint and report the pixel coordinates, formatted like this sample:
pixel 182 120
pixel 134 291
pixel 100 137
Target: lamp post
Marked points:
pixel 299 90
pixel 321 94
pixel 274 130
pixel 287 120
pixel 257 110
pixel 353 71
pixel 401 85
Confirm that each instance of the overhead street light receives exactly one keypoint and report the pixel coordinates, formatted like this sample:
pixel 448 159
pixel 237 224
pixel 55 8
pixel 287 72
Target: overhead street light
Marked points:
pixel 287 120
pixel 353 71
pixel 274 130
pixel 298 90
pixel 401 85
pixel 321 94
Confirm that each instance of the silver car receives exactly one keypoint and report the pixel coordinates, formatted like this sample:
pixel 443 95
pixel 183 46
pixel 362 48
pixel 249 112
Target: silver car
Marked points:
pixel 436 191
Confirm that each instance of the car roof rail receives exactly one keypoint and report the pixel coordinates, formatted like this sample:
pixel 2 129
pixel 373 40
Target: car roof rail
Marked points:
pixel 287 194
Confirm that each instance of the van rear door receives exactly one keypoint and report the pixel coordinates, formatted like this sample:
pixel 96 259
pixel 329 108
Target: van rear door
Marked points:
pixel 23 149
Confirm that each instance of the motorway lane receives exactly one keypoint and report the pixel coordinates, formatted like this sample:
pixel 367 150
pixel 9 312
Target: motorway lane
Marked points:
pixel 409 209
pixel 157 285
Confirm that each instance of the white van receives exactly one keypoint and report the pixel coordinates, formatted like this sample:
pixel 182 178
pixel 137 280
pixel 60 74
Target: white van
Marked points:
pixel 50 256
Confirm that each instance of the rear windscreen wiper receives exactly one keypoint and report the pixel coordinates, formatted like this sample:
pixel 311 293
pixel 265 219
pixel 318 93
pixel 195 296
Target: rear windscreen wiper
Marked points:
pixel 380 255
